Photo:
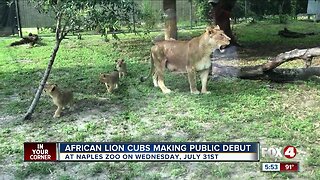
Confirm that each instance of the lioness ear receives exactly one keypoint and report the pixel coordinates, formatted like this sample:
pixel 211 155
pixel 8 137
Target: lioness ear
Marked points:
pixel 217 27
pixel 209 30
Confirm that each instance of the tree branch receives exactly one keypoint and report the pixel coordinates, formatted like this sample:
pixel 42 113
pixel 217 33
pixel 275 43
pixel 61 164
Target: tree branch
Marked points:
pixel 64 32
pixel 47 71
pixel 58 25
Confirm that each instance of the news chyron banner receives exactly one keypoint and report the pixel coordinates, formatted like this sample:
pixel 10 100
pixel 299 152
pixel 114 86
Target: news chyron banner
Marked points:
pixel 142 151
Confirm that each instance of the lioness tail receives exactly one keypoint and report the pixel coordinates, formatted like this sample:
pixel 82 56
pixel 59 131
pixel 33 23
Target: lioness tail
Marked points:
pixel 142 79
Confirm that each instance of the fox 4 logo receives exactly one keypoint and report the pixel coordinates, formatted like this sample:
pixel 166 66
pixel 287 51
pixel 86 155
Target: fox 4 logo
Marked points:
pixel 273 152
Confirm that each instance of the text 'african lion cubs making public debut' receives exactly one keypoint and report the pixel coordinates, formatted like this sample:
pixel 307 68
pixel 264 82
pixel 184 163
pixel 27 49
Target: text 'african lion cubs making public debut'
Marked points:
pixel 60 98
pixel 186 57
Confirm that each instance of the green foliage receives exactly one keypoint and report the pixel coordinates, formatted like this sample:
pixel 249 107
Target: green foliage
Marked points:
pixel 202 9
pixel 86 14
pixel 71 12
pixel 148 15
pixel 283 18
pixel 110 16
pixel 257 9
pixel 294 7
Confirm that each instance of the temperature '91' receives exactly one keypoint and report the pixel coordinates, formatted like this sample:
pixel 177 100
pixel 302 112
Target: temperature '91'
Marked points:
pixel 273 152
pixel 289 166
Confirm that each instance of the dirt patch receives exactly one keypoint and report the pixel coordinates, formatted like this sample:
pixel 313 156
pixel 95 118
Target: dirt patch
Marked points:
pixel 24 61
pixel 5 176
pixel 9 119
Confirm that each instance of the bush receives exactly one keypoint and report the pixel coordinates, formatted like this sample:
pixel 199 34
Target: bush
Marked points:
pixel 148 15
pixel 283 18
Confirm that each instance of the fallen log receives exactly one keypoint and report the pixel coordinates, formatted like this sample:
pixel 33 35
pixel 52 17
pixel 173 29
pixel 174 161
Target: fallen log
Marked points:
pixel 32 39
pixel 269 70
pixel 291 34
pixel 256 73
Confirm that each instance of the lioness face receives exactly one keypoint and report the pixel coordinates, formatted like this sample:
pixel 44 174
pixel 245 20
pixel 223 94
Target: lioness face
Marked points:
pixel 217 38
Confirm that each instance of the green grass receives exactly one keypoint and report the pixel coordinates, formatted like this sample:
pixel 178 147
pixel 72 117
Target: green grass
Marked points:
pixel 34 169
pixel 236 110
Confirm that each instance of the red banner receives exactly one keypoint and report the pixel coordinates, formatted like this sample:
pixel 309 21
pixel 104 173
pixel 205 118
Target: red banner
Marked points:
pixel 37 151
pixel 289 166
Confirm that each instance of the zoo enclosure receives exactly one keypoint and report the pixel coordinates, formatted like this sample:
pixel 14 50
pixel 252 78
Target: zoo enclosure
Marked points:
pixel 31 18
pixel 187 16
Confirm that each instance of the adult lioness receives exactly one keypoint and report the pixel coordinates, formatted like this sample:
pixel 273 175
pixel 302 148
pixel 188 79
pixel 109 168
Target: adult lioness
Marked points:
pixel 186 57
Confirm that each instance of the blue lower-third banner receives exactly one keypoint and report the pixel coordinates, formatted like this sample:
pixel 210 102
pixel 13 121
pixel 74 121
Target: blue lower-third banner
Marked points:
pixel 143 151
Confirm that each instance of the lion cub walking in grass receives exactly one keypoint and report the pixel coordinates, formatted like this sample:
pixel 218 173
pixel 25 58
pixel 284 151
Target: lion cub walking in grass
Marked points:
pixel 60 98
pixel 121 67
pixel 111 80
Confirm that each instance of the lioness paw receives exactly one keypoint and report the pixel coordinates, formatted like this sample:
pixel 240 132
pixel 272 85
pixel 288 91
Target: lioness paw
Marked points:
pixel 205 92
pixel 155 83
pixel 195 92
pixel 167 91
pixel 56 115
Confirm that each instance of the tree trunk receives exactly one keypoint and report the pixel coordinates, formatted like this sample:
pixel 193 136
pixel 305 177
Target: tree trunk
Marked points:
pixel 169 7
pixel 59 37
pixel 42 83
pixel 221 13
pixel 268 71
pixel 190 15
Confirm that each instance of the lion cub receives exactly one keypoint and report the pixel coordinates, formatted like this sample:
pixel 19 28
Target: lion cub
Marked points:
pixel 121 66
pixel 111 80
pixel 60 98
